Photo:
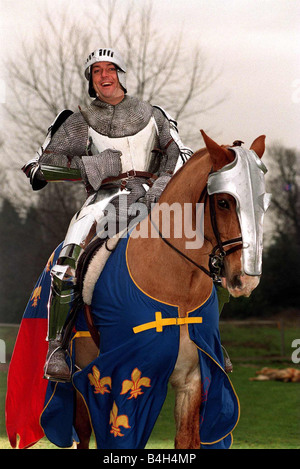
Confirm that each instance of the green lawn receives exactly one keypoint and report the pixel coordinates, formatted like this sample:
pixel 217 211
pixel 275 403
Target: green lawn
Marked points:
pixel 270 411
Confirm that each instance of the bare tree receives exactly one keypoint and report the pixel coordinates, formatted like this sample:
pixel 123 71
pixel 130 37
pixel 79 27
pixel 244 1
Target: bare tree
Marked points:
pixel 162 68
pixel 49 74
pixel 285 188
pixel 47 78
pixel 3 175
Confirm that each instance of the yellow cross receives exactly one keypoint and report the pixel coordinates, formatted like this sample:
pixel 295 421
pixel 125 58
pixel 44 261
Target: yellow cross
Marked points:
pixel 159 323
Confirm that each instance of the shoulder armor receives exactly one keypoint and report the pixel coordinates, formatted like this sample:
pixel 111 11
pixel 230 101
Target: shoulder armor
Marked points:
pixel 56 124
pixel 59 120
pixel 167 115
pixel 185 152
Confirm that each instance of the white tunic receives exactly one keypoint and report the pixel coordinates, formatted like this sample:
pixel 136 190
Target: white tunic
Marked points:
pixel 136 149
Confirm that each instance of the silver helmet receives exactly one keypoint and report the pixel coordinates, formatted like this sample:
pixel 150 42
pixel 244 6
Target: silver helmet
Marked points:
pixel 105 55
pixel 244 180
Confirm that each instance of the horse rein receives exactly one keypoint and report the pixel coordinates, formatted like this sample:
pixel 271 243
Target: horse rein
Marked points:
pixel 218 254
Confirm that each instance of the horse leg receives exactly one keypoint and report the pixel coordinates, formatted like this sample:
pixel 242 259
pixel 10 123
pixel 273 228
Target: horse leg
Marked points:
pixel 86 351
pixel 186 380
pixel 187 410
pixel 82 423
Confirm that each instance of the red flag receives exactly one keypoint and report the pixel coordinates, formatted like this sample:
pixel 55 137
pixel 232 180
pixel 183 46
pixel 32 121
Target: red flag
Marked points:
pixel 26 388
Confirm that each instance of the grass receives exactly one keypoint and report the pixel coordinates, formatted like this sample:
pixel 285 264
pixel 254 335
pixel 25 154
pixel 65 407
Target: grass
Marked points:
pixel 254 341
pixel 270 412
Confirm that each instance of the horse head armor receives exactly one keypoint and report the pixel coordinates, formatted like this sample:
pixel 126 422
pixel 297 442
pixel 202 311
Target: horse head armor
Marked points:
pixel 244 179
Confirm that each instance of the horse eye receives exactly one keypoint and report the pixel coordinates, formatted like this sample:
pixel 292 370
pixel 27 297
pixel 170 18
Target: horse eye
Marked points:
pixel 223 203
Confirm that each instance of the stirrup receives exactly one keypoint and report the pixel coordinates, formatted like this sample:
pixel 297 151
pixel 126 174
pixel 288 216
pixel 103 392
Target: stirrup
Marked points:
pixel 228 364
pixel 57 379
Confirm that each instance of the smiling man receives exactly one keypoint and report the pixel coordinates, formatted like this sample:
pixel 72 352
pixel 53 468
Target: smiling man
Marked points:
pixel 106 83
pixel 118 142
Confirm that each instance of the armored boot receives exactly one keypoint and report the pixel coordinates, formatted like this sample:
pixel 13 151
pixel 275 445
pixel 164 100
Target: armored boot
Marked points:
pixel 61 302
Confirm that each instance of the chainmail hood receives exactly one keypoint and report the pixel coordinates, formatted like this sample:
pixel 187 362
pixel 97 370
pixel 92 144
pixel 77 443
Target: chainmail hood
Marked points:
pixel 124 119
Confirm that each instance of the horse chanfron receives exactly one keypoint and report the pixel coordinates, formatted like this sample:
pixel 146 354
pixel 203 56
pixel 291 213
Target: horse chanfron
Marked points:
pixel 232 275
pixel 237 183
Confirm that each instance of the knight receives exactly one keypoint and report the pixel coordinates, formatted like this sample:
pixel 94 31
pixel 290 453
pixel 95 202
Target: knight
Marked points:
pixel 118 146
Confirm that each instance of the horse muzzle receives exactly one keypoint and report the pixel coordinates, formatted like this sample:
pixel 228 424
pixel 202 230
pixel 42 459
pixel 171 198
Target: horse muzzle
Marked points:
pixel 240 285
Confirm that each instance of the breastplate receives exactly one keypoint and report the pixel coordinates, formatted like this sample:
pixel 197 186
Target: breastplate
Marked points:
pixel 136 149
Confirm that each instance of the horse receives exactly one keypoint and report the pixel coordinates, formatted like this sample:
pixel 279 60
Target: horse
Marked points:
pixel 164 268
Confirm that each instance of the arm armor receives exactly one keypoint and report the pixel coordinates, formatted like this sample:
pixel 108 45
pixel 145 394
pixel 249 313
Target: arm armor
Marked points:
pixel 59 173
pixel 38 175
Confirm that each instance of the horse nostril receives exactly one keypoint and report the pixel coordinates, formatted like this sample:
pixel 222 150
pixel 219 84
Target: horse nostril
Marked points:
pixel 236 282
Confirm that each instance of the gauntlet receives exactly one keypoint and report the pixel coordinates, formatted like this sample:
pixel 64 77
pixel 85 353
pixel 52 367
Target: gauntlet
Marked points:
pixel 156 190
pixel 98 167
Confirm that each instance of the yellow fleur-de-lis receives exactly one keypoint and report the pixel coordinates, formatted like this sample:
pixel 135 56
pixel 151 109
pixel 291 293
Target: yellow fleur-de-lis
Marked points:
pixel 36 295
pixel 101 385
pixel 134 386
pixel 50 262
pixel 116 421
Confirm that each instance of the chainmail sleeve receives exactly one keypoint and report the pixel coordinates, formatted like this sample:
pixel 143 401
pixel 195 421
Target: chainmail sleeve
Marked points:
pixel 170 151
pixel 68 144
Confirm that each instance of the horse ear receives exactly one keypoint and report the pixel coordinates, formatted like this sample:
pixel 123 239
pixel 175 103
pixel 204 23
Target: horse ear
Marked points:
pixel 259 145
pixel 220 156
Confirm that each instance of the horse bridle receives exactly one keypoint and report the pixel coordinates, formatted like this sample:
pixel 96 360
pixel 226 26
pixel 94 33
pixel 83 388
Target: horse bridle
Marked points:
pixel 218 253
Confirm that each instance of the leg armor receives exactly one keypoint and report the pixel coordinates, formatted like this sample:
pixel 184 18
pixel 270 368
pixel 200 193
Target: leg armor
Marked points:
pixel 63 291
pixel 60 305
pixel 81 231
pixel 62 295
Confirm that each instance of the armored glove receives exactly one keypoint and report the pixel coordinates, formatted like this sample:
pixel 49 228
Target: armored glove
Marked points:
pixel 122 203
pixel 35 175
pixel 137 191
pixel 155 191
pixel 101 166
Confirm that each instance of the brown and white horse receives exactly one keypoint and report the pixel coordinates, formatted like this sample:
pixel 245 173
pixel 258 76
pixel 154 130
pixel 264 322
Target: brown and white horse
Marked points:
pixel 171 273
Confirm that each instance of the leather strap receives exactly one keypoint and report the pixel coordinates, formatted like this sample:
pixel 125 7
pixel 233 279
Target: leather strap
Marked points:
pixel 129 174
pixel 91 327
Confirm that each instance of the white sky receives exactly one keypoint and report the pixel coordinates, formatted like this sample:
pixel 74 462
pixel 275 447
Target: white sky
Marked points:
pixel 256 44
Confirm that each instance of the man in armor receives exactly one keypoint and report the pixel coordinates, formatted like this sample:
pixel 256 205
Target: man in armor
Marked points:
pixel 117 145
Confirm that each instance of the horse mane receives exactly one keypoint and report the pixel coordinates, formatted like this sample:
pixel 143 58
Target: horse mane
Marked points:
pixel 195 157
pixel 188 166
